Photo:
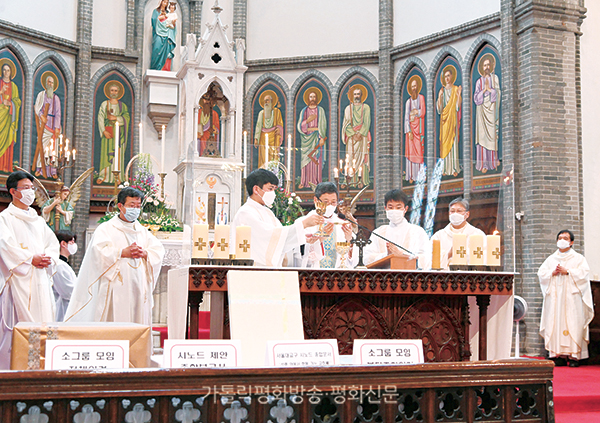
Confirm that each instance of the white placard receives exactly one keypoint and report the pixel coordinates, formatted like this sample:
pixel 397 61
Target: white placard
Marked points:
pixel 193 353
pixel 388 351
pixel 87 355
pixel 311 353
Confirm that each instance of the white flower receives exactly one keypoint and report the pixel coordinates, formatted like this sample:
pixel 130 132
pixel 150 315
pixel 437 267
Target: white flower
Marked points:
pixel 125 184
pixel 293 194
pixel 290 201
pixel 156 202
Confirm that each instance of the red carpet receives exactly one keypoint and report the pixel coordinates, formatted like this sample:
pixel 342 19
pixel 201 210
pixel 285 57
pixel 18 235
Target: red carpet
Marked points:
pixel 577 394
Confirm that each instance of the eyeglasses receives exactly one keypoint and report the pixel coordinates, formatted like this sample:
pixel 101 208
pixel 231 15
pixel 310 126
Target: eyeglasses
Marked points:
pixel 22 188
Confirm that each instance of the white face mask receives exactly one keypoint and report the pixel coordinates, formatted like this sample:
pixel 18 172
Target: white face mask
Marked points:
pixel 456 219
pixel 329 211
pixel 27 197
pixel 72 248
pixel 395 216
pixel 562 244
pixel 269 198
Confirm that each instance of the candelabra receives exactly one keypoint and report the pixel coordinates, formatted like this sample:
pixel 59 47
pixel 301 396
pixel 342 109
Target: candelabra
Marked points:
pixel 117 178
pixel 59 156
pixel 346 172
pixel 162 184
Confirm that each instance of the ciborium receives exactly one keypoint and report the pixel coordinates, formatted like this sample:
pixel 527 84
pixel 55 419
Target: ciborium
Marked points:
pixel 342 249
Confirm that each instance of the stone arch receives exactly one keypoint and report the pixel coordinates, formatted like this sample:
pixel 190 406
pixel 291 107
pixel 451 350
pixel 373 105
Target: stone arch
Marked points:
pixel 348 74
pixel 478 44
pixel 439 58
pixel 264 78
pixel 139 17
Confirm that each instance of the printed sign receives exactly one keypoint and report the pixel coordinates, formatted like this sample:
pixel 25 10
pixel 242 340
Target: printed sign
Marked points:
pixel 322 352
pixel 87 355
pixel 193 353
pixel 388 351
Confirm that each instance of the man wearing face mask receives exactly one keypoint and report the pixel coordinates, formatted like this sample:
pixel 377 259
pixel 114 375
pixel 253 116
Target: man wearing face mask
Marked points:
pixel 320 252
pixel 458 215
pixel 64 278
pixel 567 309
pixel 29 254
pixel 119 270
pixel 401 232
pixel 269 239
pixel 500 309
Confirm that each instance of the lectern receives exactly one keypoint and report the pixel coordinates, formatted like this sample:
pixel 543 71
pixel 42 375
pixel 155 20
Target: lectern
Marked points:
pixel 394 262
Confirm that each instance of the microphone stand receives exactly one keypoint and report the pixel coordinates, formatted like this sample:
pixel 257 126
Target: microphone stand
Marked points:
pixel 361 242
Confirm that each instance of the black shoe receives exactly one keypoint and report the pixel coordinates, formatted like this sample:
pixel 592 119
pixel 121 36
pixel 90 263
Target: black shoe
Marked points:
pixel 573 363
pixel 559 361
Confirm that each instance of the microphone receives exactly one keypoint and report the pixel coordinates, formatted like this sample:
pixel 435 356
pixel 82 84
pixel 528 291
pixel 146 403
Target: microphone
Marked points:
pixel 354 222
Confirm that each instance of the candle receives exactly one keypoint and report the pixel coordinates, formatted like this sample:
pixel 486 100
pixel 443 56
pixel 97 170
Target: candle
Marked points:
pixel 141 140
pixel 66 144
pixel 221 241
pixel 289 157
pixel 493 250
pixel 162 150
pixel 245 154
pixel 266 149
pixel 475 243
pixel 60 137
pixel 435 254
pixel 67 154
pixel 242 242
pixel 459 249
pixel 341 164
pixel 74 151
pixel 200 242
pixel 336 173
pixel 360 172
pixel 116 159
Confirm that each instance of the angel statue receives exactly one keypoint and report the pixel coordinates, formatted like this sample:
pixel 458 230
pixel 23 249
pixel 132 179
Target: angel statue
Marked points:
pixel 58 211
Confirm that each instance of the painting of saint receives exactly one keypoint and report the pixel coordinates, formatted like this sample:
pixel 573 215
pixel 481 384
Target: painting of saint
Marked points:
pixel 11 78
pixel 48 116
pixel 357 134
pixel 449 109
pixel 312 137
pixel 208 124
pixel 486 96
pixel 414 126
pixel 269 127
pixel 113 104
pixel 164 23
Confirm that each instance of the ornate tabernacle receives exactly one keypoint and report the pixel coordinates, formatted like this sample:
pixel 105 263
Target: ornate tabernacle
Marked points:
pixel 348 304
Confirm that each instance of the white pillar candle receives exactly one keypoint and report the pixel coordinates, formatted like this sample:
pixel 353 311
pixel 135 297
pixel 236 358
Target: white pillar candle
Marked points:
pixel 289 157
pixel 221 247
pixel 336 173
pixel 74 151
pixel 141 139
pixel 58 145
pixel 116 158
pixel 243 235
pixel 162 150
pixel 459 249
pixel 266 150
pixel 245 154
pixel 476 253
pixel 200 245
pixel 494 252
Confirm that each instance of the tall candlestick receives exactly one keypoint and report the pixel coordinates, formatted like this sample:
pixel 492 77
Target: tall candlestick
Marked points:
pixel 162 150
pixel 245 154
pixel 289 157
pixel 141 139
pixel 117 153
pixel 266 149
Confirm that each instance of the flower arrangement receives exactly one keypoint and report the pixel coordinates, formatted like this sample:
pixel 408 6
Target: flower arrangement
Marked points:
pixel 286 207
pixel 155 210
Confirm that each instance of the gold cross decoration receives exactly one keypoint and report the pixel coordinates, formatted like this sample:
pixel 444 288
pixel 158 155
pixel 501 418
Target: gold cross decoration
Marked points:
pixel 478 252
pixel 461 252
pixel 496 252
pixel 200 244
pixel 222 245
pixel 245 246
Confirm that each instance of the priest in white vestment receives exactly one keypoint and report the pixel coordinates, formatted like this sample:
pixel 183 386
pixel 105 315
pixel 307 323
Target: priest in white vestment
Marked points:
pixel 399 231
pixel 500 309
pixel 320 252
pixel 567 309
pixel 29 254
pixel 119 270
pixel 270 240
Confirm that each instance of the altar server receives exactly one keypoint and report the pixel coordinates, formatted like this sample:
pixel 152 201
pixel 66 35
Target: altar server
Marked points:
pixel 568 308
pixel 119 270
pixel 321 251
pixel 28 257
pixel 269 239
pixel 64 278
pixel 500 309
pixel 400 231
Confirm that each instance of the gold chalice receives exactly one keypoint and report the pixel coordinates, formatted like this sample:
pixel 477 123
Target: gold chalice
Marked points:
pixel 154 229
pixel 342 249
pixel 320 207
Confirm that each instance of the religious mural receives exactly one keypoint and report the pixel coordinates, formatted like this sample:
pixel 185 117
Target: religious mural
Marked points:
pixel 312 146
pixel 357 134
pixel 486 126
pixel 113 106
pixel 448 117
pixel 268 111
pixel 414 126
pixel 164 34
pixel 209 121
pixel 49 116
pixel 11 115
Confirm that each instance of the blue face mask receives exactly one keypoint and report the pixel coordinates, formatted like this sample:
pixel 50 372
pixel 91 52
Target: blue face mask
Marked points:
pixel 131 214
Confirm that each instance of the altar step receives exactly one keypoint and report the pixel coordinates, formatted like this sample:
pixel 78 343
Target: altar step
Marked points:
pixel 577 394
pixel 203 328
